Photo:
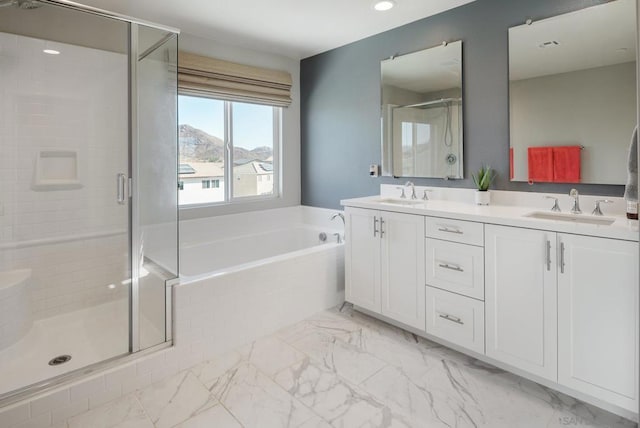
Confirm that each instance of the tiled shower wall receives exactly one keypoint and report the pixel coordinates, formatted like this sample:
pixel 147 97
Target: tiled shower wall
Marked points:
pixel 74 241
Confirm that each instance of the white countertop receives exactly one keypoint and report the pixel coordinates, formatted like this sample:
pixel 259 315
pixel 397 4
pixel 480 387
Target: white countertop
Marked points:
pixel 507 215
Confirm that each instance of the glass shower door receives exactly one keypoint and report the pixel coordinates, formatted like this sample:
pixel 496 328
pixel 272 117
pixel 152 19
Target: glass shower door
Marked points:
pixel 65 264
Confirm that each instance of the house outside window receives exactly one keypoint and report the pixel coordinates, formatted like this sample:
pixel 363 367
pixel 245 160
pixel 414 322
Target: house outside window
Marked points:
pixel 220 140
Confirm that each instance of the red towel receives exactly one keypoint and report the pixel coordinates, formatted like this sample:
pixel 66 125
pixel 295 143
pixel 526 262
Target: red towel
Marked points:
pixel 540 161
pixel 566 164
pixel 511 163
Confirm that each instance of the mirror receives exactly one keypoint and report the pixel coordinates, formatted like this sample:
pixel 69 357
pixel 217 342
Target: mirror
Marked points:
pixel 422 113
pixel 572 95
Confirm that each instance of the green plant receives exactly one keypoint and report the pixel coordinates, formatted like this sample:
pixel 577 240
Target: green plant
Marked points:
pixel 483 178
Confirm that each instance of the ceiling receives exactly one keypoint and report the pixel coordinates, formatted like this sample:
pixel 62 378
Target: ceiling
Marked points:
pixel 588 38
pixel 293 28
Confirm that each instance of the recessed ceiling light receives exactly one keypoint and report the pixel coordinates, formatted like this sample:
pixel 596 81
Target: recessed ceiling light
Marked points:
pixel 51 52
pixel 384 5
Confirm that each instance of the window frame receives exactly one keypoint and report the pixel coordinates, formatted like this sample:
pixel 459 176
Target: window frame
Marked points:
pixel 229 199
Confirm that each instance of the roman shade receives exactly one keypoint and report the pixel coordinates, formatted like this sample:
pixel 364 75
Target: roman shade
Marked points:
pixel 200 75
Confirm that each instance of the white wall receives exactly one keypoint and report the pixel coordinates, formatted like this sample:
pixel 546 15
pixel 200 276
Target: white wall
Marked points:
pixel 73 101
pixel 290 152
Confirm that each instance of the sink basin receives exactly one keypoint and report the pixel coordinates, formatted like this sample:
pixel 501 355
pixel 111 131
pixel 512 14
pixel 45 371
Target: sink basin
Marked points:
pixel 401 202
pixel 572 218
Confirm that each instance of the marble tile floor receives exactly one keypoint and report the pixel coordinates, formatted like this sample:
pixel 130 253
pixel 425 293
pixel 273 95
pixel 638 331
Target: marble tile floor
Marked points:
pixel 344 369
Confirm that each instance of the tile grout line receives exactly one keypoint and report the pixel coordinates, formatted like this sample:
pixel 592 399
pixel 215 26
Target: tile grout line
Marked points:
pixel 287 392
pixel 144 410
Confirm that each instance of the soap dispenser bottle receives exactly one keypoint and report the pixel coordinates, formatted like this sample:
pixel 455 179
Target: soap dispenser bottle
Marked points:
pixel 632 210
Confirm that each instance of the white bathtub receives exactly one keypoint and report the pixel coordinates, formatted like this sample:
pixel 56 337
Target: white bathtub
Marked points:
pixel 247 275
pixel 232 254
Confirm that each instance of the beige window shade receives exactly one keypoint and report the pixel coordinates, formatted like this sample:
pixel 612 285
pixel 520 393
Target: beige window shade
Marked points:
pixel 200 75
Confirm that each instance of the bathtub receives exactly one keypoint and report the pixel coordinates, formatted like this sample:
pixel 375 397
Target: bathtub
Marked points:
pixel 245 276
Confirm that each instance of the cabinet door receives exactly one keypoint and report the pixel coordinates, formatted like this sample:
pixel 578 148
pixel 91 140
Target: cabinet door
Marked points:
pixel 598 318
pixel 520 299
pixel 362 258
pixel 403 268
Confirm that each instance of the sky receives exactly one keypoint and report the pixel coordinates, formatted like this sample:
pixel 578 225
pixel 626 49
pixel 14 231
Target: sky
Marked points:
pixel 252 123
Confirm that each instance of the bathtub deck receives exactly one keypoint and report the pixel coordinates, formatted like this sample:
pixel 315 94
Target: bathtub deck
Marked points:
pixel 344 369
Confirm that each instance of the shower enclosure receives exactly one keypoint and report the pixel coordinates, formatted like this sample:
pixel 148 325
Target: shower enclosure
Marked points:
pixel 88 190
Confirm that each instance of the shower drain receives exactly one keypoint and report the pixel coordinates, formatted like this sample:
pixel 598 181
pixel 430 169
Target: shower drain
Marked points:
pixel 60 359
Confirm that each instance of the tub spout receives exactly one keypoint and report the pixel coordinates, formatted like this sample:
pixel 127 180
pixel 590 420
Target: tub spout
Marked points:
pixel 333 217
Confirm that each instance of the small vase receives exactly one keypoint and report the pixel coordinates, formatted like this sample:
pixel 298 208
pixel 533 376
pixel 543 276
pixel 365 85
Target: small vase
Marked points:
pixel 483 197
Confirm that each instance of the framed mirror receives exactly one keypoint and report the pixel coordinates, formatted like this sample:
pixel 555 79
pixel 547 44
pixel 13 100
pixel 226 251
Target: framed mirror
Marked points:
pixel 572 95
pixel 421 113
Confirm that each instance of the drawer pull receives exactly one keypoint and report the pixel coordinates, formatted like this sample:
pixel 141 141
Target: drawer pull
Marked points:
pixel 451 318
pixel 446 229
pixel 450 267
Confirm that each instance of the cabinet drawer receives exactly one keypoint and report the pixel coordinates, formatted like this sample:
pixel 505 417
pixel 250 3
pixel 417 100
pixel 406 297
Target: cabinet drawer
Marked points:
pixel 455 267
pixel 454 318
pixel 465 232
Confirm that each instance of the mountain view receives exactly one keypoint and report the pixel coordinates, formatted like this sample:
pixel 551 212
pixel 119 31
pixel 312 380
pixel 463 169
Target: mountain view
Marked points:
pixel 198 146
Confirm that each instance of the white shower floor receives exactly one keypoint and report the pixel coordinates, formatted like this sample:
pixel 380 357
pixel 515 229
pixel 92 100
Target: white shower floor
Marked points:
pixel 89 335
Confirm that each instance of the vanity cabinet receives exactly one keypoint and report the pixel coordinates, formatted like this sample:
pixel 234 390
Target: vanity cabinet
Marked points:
pixel 521 298
pixel 558 307
pixel 455 281
pixel 362 258
pixel 598 318
pixel 385 264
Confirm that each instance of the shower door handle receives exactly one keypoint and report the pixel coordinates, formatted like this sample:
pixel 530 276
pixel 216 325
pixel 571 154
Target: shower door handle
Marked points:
pixel 121 192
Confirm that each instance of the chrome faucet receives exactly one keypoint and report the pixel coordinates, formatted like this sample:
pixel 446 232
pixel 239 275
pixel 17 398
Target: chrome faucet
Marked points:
pixel 576 202
pixel 556 207
pixel 413 189
pixel 597 210
pixel 333 217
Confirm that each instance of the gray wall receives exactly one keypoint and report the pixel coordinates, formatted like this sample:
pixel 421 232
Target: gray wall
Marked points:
pixel 340 116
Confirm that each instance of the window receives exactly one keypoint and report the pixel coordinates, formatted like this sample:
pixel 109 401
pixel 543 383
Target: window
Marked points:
pixel 220 140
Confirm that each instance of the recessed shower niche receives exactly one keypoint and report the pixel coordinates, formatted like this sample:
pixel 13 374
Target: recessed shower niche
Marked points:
pixel 56 170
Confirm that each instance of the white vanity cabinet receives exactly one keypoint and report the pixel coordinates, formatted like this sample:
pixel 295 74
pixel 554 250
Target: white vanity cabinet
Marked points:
pixel 521 298
pixel 565 307
pixel 598 318
pixel 362 258
pixel 554 301
pixel 455 281
pixel 385 264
